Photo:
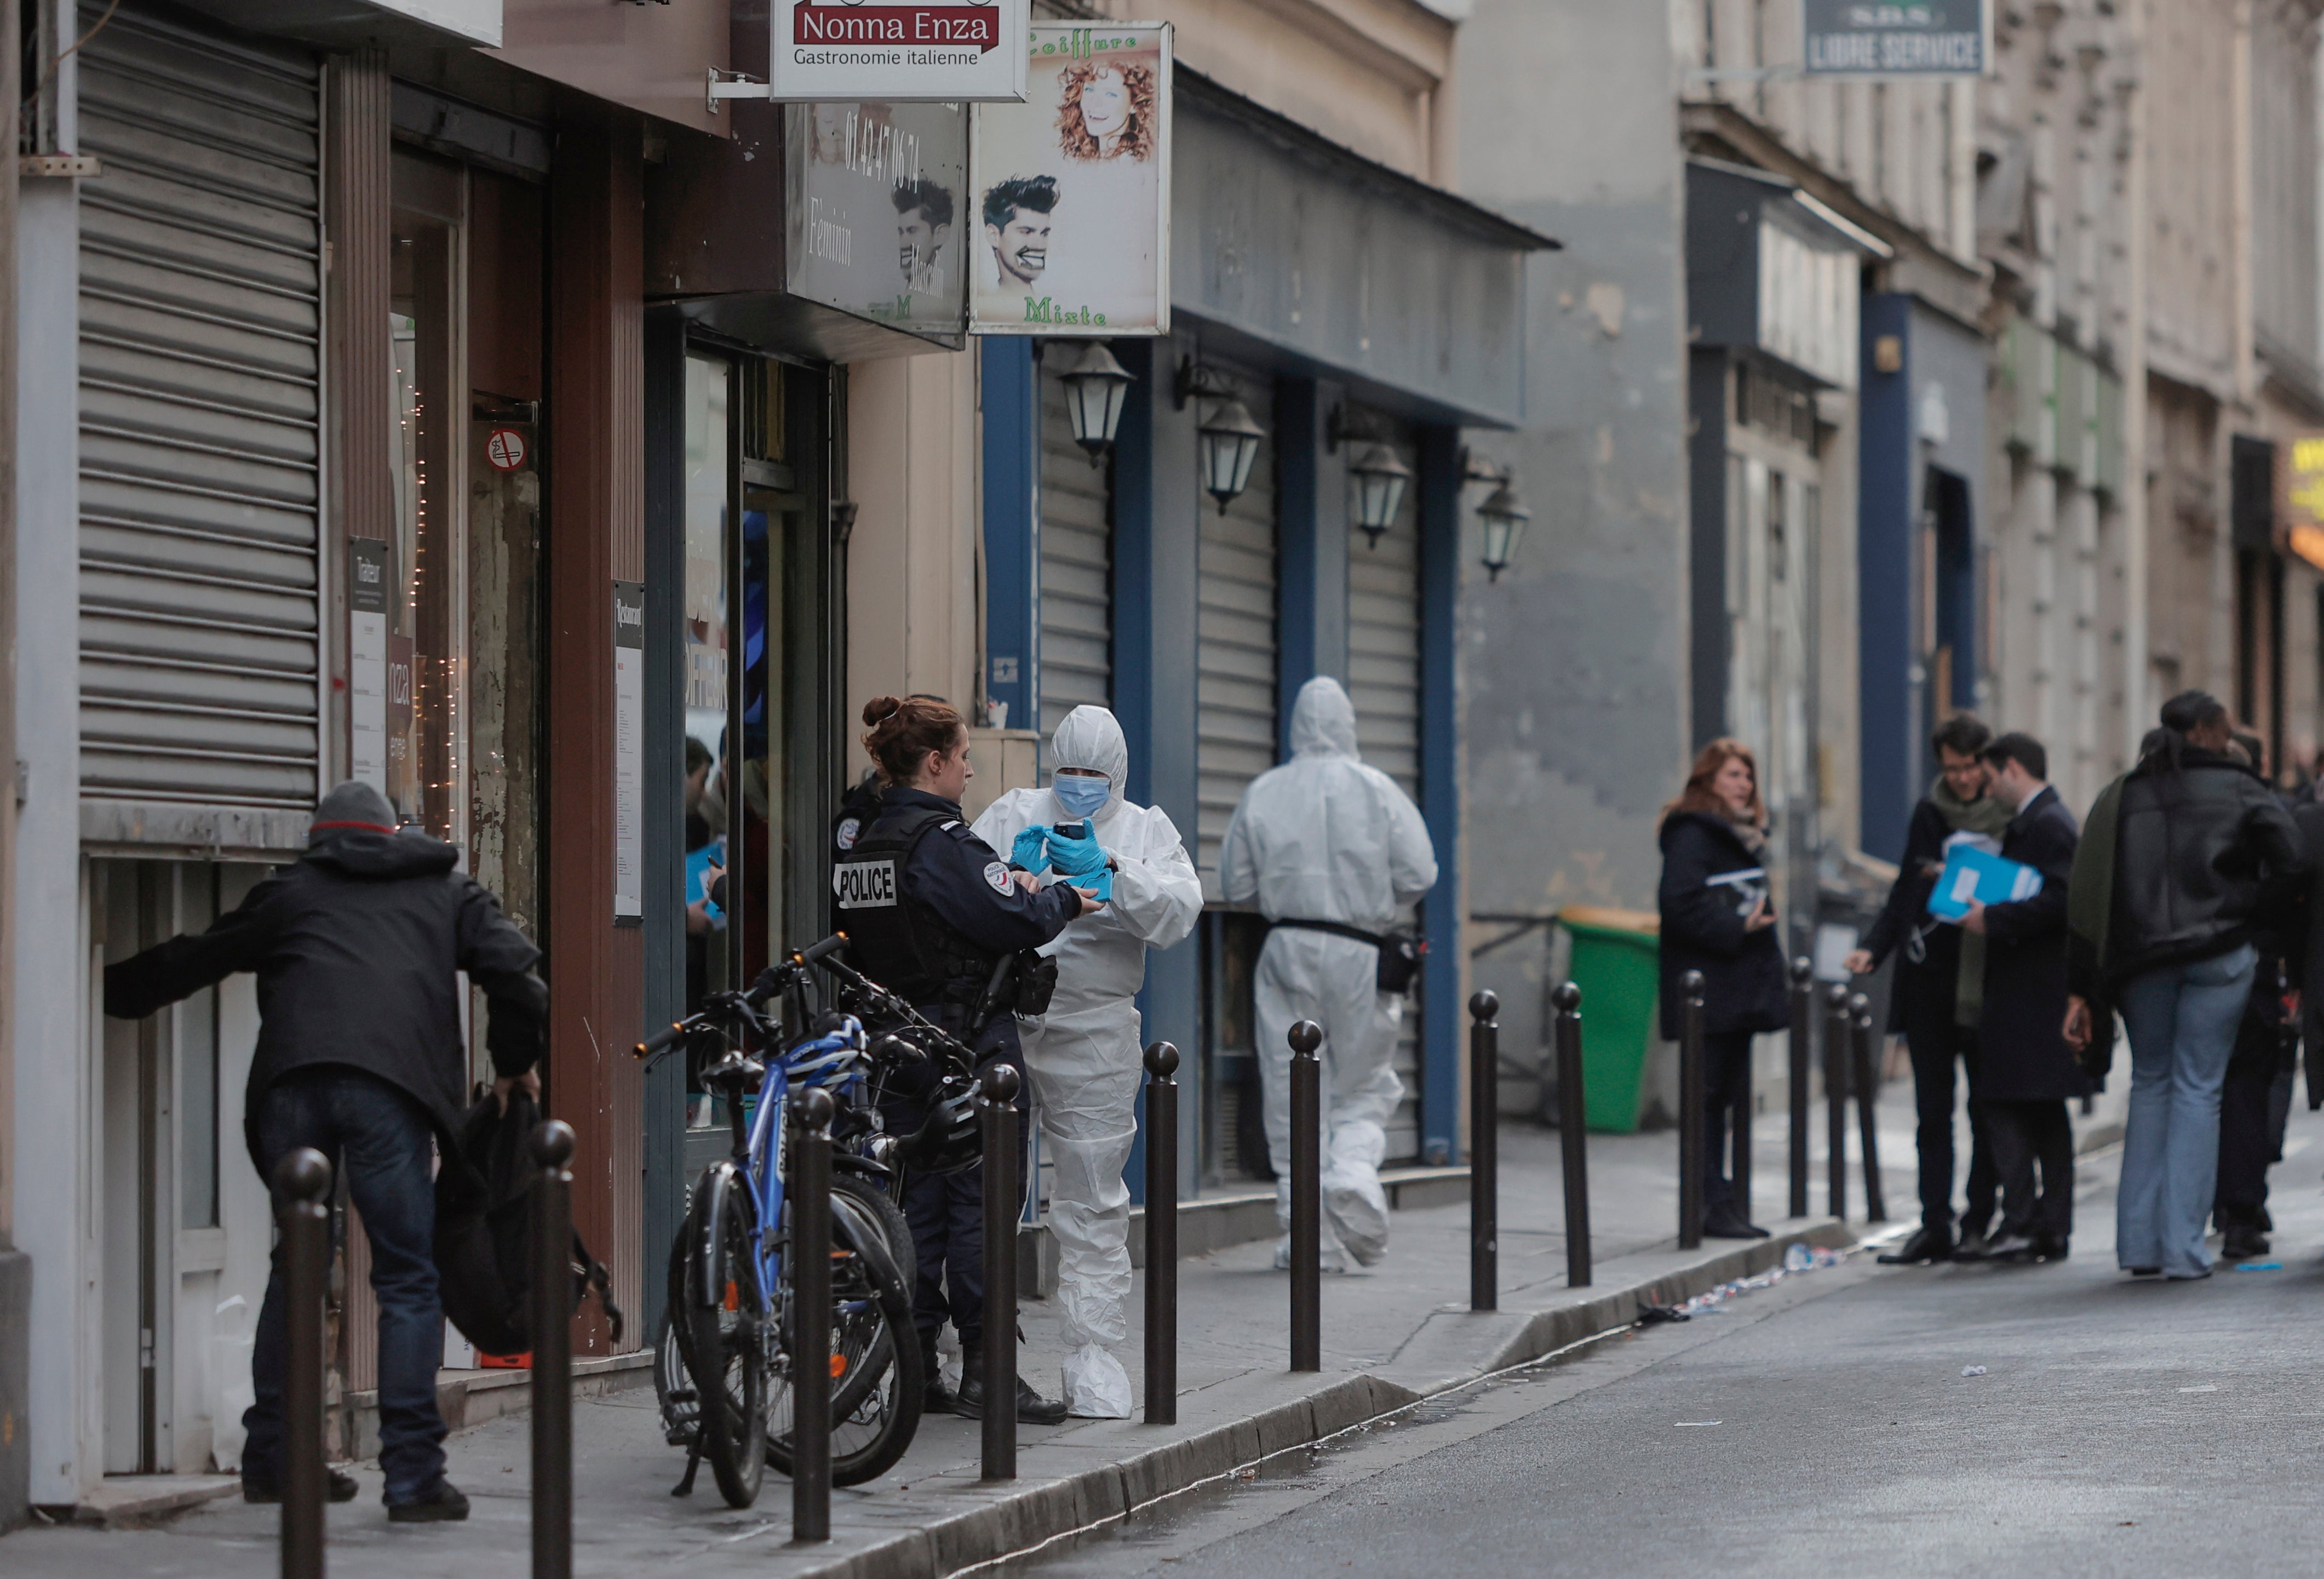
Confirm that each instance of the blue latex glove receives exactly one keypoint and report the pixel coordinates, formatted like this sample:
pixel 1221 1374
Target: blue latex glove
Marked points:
pixel 1082 862
pixel 1031 849
pixel 1082 858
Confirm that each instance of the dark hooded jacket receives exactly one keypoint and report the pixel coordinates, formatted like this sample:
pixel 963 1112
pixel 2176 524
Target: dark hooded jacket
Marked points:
pixel 356 947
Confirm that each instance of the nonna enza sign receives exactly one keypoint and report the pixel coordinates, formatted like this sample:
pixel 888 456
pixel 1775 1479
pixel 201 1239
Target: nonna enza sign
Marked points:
pixel 951 52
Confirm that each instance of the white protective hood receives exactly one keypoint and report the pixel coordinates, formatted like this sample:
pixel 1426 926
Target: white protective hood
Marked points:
pixel 1091 737
pixel 1324 721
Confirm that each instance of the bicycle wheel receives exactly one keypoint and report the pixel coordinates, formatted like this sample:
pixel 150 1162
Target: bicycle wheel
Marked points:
pixel 875 1355
pixel 726 1348
pixel 673 1377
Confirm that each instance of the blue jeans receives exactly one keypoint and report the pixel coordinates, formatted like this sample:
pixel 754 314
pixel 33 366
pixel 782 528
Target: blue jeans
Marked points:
pixel 2182 1019
pixel 380 1137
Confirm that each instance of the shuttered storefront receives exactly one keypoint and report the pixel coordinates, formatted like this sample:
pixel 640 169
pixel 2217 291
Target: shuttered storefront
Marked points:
pixel 1235 644
pixel 1076 567
pixel 201 311
pixel 1384 683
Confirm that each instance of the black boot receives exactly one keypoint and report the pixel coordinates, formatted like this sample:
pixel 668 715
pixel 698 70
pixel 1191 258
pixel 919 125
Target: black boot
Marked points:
pixel 968 1403
pixel 1927 1247
pixel 936 1398
pixel 2243 1242
pixel 1726 1221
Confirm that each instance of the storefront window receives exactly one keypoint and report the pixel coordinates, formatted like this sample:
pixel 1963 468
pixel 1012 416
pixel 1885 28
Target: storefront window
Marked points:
pixel 425 766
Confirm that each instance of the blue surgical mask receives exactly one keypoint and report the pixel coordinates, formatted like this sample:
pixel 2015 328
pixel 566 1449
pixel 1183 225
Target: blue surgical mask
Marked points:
pixel 1084 796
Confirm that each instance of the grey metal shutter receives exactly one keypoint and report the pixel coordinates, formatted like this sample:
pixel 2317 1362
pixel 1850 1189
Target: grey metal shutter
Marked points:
pixel 1076 568
pixel 1235 648
pixel 1384 683
pixel 201 401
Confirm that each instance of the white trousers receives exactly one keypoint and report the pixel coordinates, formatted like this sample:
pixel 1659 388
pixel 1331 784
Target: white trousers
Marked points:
pixel 1332 981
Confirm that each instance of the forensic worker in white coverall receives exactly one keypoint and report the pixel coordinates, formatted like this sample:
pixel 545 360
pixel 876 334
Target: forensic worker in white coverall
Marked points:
pixel 1084 1055
pixel 1324 838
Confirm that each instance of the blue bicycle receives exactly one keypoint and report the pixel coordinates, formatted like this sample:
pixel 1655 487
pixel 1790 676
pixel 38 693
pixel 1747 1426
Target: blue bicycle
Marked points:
pixel 725 1358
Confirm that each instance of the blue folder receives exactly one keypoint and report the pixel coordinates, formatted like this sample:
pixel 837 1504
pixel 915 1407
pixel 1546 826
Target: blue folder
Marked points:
pixel 1971 873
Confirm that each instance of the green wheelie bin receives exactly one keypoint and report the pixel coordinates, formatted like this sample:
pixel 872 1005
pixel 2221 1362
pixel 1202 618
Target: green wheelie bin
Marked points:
pixel 1617 963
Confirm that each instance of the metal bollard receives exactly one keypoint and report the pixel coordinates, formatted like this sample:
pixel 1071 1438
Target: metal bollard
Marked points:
pixel 1306 1198
pixel 1572 1136
pixel 1161 1234
pixel 302 1180
pixel 1003 1202
pixel 1484 1154
pixel 810 1185
pixel 1690 1114
pixel 1803 1039
pixel 1835 1093
pixel 1868 1097
pixel 552 1353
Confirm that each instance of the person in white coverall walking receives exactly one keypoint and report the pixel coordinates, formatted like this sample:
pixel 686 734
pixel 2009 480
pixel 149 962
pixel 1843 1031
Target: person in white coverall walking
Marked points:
pixel 1324 838
pixel 1084 1055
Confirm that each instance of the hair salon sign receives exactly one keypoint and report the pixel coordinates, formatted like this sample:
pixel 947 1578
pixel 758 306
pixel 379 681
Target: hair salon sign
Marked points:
pixel 944 50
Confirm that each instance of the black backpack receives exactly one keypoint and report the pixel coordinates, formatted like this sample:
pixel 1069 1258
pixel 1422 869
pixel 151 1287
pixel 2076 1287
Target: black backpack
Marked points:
pixel 483 1231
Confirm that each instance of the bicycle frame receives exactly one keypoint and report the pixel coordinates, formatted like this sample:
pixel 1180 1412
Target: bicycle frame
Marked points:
pixel 758 1161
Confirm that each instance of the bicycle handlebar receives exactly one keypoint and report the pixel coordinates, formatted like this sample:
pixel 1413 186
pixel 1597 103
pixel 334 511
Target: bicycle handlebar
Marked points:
pixel 658 1041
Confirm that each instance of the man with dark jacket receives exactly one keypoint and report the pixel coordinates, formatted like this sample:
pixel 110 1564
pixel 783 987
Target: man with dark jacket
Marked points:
pixel 1936 999
pixel 358 946
pixel 2025 1071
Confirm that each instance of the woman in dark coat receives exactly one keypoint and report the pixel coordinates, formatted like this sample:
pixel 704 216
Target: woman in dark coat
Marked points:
pixel 1717 919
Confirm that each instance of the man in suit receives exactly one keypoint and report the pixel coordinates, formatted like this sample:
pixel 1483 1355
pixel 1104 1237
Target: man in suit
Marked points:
pixel 2025 1071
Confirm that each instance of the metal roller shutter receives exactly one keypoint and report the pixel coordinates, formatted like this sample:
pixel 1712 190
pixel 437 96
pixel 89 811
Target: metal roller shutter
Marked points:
pixel 1076 568
pixel 201 316
pixel 1235 645
pixel 1384 683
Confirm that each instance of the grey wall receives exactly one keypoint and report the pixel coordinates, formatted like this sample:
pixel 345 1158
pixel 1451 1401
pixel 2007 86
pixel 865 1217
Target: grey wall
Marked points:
pixel 1574 670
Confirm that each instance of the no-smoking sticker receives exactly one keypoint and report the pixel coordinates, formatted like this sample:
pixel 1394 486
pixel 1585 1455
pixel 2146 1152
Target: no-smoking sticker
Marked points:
pixel 505 449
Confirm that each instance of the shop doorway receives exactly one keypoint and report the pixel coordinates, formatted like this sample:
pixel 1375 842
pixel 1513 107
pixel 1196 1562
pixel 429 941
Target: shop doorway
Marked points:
pixel 758 667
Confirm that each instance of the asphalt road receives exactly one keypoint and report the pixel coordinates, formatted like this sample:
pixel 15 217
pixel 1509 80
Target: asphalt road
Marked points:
pixel 1825 1426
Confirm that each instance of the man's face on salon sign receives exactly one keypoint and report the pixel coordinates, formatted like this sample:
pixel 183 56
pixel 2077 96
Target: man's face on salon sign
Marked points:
pixel 1021 246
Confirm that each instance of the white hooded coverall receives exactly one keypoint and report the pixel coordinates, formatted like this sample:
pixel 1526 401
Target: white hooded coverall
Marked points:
pixel 1086 1056
pixel 1326 838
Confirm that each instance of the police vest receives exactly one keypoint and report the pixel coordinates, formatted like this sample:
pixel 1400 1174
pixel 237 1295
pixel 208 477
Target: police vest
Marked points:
pixel 897 941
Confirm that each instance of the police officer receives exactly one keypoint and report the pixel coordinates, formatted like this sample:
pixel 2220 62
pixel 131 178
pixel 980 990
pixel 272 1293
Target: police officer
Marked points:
pixel 931 910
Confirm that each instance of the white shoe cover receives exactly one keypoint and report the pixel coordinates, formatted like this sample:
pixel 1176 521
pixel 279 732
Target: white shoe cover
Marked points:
pixel 1096 1386
pixel 1331 1259
pixel 1357 1207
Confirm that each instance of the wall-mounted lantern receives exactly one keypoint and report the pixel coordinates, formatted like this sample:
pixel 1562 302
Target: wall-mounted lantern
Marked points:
pixel 1376 483
pixel 1095 389
pixel 1227 440
pixel 1503 514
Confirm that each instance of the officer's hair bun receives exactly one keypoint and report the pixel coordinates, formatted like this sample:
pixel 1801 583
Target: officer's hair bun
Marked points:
pixel 901 731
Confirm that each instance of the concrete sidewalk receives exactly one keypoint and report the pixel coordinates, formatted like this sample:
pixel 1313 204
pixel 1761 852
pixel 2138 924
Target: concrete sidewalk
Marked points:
pixel 1391 1336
